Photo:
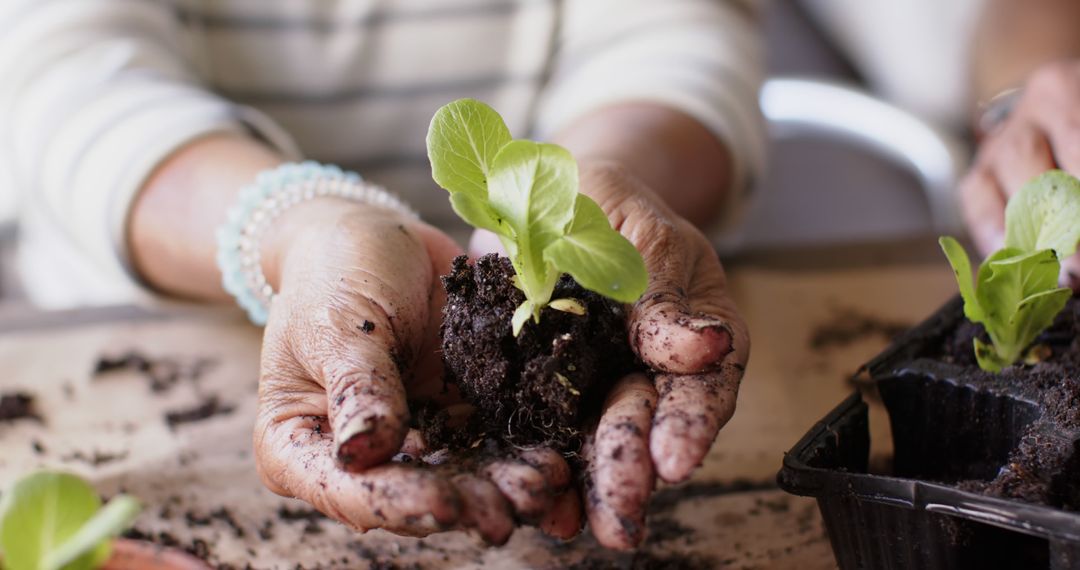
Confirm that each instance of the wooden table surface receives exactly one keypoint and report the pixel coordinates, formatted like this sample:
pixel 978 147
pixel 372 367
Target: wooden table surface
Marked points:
pixel 811 329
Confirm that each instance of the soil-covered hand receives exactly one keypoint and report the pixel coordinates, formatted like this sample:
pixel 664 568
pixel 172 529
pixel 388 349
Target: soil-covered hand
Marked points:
pixel 1041 133
pixel 687 331
pixel 353 334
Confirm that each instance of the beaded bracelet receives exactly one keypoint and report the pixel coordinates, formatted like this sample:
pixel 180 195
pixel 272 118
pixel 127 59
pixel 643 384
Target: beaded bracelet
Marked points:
pixel 273 192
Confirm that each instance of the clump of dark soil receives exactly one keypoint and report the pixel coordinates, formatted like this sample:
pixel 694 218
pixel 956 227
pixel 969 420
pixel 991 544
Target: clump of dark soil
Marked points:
pixel 1044 466
pixel 161 373
pixel 539 386
pixel 95 458
pixel 208 408
pixel 17 406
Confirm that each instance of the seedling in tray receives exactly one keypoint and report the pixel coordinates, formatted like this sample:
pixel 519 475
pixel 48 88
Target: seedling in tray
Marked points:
pixel 1015 295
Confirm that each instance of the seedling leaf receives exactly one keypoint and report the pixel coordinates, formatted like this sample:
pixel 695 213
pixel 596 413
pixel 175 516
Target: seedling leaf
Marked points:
pixel 107 523
pixel 1045 214
pixel 600 258
pixel 532 188
pixel 42 518
pixel 462 142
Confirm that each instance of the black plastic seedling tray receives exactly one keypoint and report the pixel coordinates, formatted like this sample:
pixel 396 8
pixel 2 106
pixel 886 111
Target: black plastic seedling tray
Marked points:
pixel 945 430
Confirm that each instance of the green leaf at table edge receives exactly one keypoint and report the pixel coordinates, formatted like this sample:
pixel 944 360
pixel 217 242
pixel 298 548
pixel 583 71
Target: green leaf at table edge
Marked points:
pixel 115 517
pixel 41 509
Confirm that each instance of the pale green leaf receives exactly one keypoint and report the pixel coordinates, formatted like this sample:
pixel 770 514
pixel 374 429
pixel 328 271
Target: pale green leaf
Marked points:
pixel 532 188
pixel 961 265
pixel 478 214
pixel 988 358
pixel 521 316
pixel 1045 214
pixel 1019 296
pixel 109 522
pixel 568 305
pixel 462 141
pixel 597 256
pixel 41 512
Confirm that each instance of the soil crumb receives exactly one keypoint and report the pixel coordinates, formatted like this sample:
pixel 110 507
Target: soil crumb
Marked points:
pixel 95 458
pixel 537 387
pixel 161 373
pixel 646 560
pixel 17 406
pixel 665 500
pixel 311 518
pixel 848 325
pixel 209 408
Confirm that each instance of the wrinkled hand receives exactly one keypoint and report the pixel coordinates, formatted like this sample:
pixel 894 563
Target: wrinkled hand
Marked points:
pixel 1041 133
pixel 352 334
pixel 688 332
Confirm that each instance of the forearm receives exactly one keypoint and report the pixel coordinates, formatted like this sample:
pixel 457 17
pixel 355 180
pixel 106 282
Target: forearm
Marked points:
pixel 671 152
pixel 1015 37
pixel 171 228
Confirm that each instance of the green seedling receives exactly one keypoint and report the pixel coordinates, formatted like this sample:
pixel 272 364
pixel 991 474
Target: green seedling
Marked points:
pixel 55 521
pixel 1015 294
pixel 527 194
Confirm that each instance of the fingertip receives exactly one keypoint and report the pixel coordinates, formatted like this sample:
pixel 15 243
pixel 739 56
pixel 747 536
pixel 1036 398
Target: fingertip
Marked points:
pixel 484 509
pixel 373 443
pixel 681 343
pixel 675 464
pixel 563 521
pixel 614 531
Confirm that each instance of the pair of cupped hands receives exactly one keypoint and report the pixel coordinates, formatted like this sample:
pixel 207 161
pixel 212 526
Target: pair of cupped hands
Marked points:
pixel 353 335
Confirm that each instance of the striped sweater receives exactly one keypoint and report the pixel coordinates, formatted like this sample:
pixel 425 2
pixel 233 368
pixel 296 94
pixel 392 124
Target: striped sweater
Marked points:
pixel 96 93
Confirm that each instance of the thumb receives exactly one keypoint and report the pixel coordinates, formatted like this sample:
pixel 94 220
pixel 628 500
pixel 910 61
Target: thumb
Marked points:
pixel 356 316
pixel 685 323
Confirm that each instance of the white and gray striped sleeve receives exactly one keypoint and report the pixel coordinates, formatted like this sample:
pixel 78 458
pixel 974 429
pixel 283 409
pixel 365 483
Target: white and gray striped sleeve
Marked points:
pixel 702 57
pixel 95 95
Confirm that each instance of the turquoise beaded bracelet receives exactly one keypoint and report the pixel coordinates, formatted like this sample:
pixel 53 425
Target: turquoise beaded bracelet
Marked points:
pixel 273 192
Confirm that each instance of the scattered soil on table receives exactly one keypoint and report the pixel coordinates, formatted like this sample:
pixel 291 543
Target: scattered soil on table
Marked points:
pixel 17 406
pixel 222 514
pixel 161 373
pixel 539 386
pixel 1045 465
pixel 649 561
pixel 198 547
pixel 848 325
pixel 94 458
pixel 311 518
pixel 208 408
pixel 665 500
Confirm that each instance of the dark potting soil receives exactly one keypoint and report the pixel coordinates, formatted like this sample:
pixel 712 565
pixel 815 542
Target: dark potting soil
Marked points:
pixel 1044 467
pixel 161 373
pixel 208 408
pixel 541 385
pixel 17 406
